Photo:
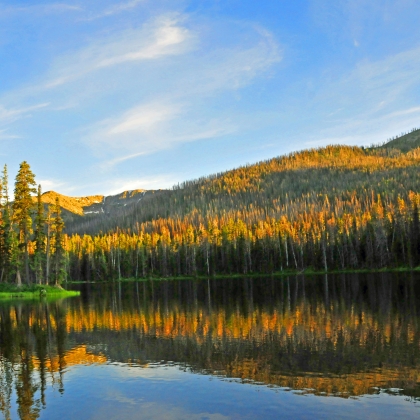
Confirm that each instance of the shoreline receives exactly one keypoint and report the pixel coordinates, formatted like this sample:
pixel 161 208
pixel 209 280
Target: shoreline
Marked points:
pixel 11 291
pixel 307 272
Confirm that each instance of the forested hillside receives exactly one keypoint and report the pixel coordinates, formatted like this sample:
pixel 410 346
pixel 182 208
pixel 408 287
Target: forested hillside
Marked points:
pixel 272 188
pixel 336 207
pixel 404 142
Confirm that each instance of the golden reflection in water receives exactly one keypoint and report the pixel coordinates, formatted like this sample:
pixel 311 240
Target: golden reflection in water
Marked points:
pixel 335 344
pixel 76 356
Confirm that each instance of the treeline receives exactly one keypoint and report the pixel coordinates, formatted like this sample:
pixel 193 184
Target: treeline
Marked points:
pixel 31 242
pixel 332 208
pixel 375 234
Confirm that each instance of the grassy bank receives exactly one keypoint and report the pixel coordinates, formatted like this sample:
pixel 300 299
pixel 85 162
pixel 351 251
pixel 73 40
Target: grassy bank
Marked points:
pixel 284 273
pixel 11 291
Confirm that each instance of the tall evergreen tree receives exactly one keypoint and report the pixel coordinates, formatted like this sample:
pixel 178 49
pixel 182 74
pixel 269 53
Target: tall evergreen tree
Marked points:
pixel 39 255
pixel 5 228
pixel 59 271
pixel 2 256
pixel 48 222
pixel 22 206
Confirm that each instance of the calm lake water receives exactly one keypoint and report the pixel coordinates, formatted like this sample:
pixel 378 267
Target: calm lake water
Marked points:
pixel 344 346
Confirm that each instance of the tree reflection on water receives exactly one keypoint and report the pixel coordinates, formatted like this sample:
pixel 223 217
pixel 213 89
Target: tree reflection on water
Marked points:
pixel 341 336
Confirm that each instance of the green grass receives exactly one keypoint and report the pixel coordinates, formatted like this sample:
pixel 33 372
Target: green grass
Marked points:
pixel 35 291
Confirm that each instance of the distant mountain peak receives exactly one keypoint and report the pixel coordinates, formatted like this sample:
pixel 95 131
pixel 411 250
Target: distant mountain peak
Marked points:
pixel 129 193
pixel 72 204
pixel 94 204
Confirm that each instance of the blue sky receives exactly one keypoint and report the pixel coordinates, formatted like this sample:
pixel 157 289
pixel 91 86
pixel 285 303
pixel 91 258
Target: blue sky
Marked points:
pixel 102 96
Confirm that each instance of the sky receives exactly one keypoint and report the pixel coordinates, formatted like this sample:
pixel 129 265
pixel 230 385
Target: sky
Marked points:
pixel 102 96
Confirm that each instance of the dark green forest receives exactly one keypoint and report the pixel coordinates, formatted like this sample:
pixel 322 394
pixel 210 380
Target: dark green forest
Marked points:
pixel 331 208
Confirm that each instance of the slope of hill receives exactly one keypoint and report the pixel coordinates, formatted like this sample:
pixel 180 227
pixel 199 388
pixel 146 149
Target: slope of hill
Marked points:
pixel 332 208
pixel 405 142
pixel 74 205
pixel 296 178
pixel 336 207
pixel 93 204
pixel 283 186
pixel 79 211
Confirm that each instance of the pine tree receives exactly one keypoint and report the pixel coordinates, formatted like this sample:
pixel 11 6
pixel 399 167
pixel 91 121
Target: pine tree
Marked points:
pixel 48 222
pixel 2 256
pixel 5 231
pixel 39 257
pixel 58 257
pixel 22 206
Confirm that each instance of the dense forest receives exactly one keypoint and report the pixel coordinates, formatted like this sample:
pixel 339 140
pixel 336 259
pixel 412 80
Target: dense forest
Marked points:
pixel 332 208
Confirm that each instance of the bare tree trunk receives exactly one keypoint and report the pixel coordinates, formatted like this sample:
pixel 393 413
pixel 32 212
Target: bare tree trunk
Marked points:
pixel 294 255
pixel 207 259
pixel 18 279
pixel 279 245
pixel 324 254
pixel 119 262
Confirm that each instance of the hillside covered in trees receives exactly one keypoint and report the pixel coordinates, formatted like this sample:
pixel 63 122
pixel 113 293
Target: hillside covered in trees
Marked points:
pixel 336 207
pixel 332 208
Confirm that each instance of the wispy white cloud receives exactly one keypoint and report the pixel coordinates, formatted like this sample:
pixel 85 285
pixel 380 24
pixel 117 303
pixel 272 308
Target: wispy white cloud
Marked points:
pixel 166 38
pixel 149 88
pixel 117 8
pixel 368 130
pixel 232 68
pixel 163 36
pixel 178 115
pixel 107 165
pixel 404 112
pixel 8 115
pixel 50 184
pixel 44 9
pixel 373 85
pixel 134 129
pixel 4 135
pixel 142 119
pixel 149 128
pixel 373 102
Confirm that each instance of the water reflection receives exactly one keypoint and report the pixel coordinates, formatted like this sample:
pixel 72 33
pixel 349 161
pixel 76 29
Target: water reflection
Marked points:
pixel 338 335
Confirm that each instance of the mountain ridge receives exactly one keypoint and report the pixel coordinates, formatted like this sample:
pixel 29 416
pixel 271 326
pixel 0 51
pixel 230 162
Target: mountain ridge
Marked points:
pixel 256 191
pixel 84 205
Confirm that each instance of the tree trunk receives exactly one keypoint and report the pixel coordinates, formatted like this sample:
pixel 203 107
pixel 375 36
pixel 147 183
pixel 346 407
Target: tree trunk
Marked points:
pixel 28 280
pixel 18 279
pixel 324 254
pixel 47 262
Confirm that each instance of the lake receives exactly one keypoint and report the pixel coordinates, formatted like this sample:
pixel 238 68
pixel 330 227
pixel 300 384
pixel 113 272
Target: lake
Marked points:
pixel 342 346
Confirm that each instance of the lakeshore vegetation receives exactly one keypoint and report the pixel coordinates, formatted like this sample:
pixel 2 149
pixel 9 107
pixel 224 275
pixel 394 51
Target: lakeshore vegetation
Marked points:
pixel 31 242
pixel 326 209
